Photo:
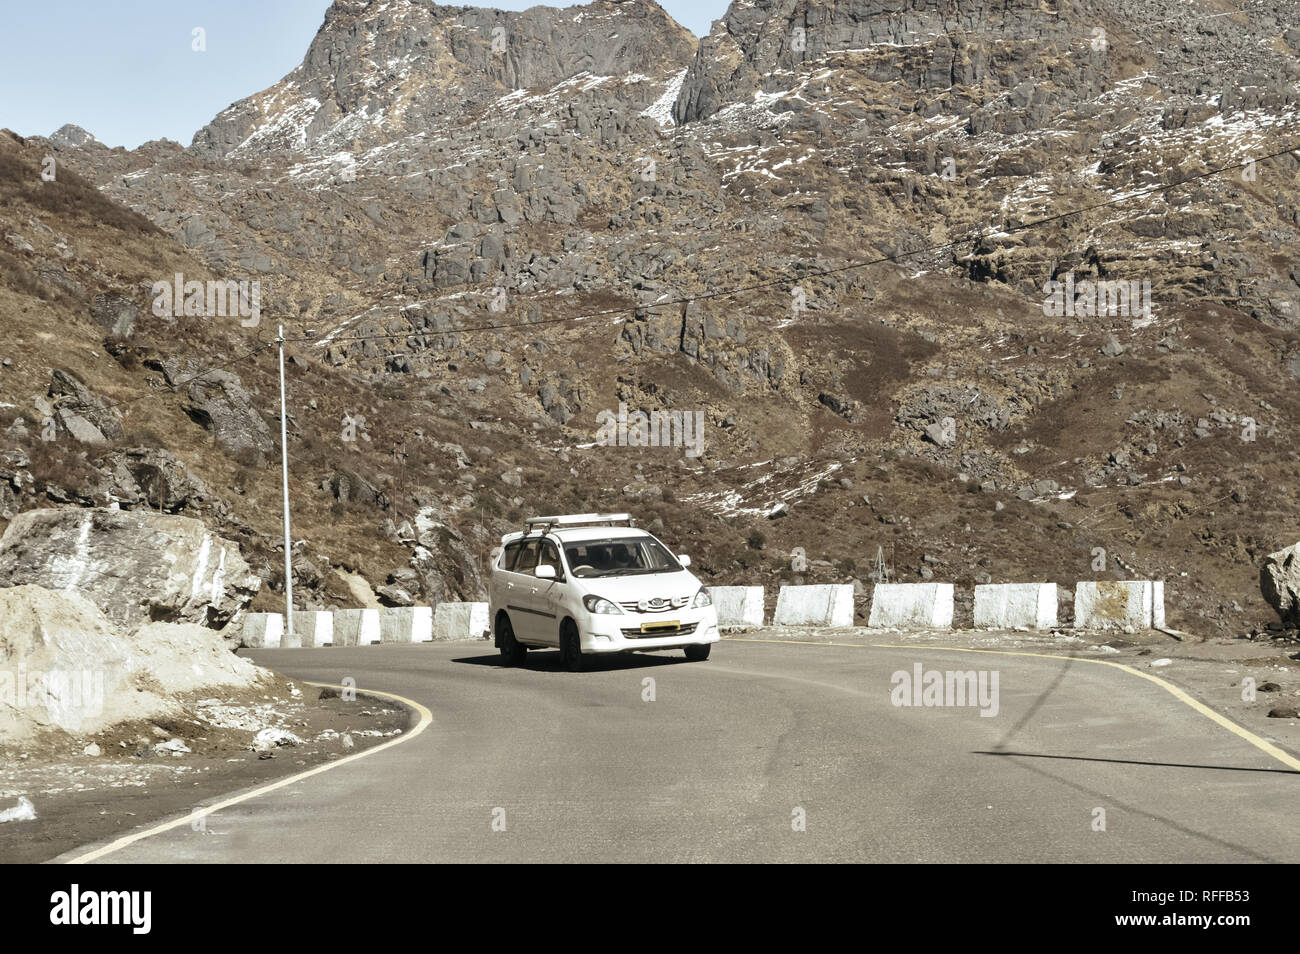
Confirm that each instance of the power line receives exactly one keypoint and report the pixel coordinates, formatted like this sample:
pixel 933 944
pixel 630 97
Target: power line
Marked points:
pixel 970 237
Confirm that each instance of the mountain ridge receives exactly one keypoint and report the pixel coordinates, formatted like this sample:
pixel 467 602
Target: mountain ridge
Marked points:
pixel 894 405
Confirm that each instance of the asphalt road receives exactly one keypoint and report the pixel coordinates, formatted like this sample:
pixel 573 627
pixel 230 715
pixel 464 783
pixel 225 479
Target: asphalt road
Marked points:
pixel 733 751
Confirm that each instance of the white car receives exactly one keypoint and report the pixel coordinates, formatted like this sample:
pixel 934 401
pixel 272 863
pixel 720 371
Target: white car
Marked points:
pixel 591 584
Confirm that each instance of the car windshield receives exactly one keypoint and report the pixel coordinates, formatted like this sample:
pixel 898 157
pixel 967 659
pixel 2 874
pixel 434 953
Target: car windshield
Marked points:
pixel 630 556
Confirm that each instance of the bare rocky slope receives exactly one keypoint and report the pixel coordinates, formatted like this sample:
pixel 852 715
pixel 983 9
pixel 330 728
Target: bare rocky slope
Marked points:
pixel 593 185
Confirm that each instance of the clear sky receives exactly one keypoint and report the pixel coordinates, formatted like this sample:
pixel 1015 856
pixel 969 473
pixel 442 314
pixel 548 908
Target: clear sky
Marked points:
pixel 126 70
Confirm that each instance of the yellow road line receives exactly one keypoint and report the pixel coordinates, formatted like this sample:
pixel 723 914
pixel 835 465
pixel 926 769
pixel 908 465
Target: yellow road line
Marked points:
pixel 1268 748
pixel 426 717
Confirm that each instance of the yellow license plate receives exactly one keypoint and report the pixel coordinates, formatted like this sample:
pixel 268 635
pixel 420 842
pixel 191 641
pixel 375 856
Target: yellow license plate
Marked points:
pixel 667 626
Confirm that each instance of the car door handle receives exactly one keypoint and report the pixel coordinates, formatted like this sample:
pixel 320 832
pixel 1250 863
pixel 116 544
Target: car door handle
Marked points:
pixel 510 586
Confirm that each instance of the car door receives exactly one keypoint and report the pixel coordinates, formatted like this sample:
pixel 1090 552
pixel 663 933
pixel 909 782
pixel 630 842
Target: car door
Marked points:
pixel 502 580
pixel 520 585
pixel 549 596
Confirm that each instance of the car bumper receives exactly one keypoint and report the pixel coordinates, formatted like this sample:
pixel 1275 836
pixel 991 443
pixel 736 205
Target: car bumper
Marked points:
pixel 601 633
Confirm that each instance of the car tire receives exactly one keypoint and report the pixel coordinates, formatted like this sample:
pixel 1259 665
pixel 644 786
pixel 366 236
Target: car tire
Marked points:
pixel 698 652
pixel 570 648
pixel 513 652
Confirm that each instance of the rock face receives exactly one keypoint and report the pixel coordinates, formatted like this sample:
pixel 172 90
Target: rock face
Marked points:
pixel 1279 582
pixel 219 402
pixel 154 478
pixel 758 44
pixel 72 135
pixel 138 566
pixel 438 60
pixel 80 412
pixel 114 312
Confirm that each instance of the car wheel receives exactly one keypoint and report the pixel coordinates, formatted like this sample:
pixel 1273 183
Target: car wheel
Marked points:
pixel 698 653
pixel 570 648
pixel 513 652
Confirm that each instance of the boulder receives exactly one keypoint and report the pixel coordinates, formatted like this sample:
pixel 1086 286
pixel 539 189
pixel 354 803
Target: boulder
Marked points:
pixel 66 668
pixel 137 566
pixel 219 403
pixel 1279 582
pixel 114 312
pixel 154 477
pixel 59 657
pixel 81 412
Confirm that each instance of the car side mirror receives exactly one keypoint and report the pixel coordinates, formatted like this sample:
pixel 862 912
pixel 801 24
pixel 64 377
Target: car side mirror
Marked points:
pixel 683 559
pixel 545 572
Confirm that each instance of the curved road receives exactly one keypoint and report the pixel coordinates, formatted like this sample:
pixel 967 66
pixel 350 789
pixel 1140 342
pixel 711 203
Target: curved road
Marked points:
pixel 721 764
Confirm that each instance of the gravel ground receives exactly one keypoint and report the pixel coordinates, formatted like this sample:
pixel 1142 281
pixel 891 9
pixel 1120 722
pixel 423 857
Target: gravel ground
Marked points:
pixel 140 772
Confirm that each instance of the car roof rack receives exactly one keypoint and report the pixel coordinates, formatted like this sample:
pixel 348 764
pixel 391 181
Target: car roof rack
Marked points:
pixel 547 524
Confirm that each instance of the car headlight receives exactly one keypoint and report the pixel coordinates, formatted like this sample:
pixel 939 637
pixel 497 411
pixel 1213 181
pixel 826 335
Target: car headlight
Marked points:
pixel 702 599
pixel 598 604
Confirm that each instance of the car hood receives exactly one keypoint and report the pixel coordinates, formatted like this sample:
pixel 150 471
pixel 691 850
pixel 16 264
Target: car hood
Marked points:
pixel 625 589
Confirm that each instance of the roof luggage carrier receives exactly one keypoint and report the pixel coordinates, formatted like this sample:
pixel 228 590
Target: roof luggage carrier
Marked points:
pixel 547 524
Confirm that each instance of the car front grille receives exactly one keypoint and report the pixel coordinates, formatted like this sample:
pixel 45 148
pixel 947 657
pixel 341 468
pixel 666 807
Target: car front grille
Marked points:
pixel 632 606
pixel 684 630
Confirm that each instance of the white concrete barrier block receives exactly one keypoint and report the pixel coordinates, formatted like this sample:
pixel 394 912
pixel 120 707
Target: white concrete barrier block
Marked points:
pixel 311 628
pixel 819 605
pixel 460 620
pixel 406 624
pixel 291 638
pixel 738 605
pixel 263 630
pixel 356 627
pixel 911 606
pixel 1009 605
pixel 1113 604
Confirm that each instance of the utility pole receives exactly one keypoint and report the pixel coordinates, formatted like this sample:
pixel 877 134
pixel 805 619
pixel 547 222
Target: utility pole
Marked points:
pixel 284 461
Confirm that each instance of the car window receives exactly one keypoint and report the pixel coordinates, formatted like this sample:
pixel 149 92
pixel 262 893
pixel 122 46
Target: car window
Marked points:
pixel 627 556
pixel 527 558
pixel 511 554
pixel 551 555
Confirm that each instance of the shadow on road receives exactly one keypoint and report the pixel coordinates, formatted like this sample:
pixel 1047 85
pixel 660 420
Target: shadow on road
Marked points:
pixel 1086 758
pixel 548 660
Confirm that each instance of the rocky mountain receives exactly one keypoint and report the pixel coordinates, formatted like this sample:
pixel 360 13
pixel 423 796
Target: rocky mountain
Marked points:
pixel 379 71
pixel 1000 313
